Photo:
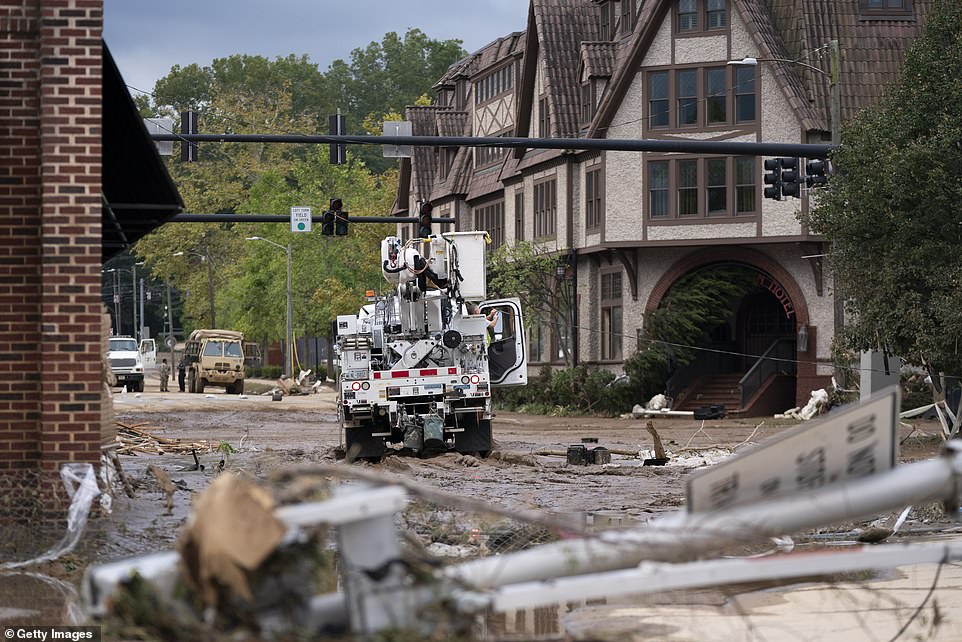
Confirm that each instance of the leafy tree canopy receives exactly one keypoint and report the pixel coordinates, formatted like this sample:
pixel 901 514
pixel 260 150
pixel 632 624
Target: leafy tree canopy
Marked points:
pixel 893 208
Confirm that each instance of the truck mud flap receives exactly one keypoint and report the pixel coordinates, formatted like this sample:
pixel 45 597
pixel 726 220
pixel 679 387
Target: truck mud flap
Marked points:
pixel 361 444
pixel 476 437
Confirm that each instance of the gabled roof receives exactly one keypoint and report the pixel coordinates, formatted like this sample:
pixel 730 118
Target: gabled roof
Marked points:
pixel 423 123
pixel 871 53
pixel 871 50
pixel 598 58
pixel 562 25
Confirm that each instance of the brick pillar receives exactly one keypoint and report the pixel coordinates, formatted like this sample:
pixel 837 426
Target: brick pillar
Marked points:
pixel 50 186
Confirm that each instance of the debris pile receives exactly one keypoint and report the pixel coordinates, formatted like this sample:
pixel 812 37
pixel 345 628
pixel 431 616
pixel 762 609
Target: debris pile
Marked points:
pixel 134 439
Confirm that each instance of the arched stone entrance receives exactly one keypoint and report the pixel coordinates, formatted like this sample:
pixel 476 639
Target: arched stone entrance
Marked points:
pixel 772 312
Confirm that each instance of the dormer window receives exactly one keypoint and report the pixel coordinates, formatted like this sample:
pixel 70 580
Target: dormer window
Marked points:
pixel 604 26
pixel 885 9
pixel 627 16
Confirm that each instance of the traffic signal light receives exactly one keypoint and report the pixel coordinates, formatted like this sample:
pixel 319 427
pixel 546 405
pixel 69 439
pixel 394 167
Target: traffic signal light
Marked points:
pixel 327 223
pixel 334 220
pixel 773 178
pixel 816 173
pixel 341 219
pixel 425 219
pixel 790 177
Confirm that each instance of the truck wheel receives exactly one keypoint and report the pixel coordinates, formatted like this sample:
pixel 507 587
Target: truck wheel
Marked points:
pixel 138 386
pixel 201 384
pixel 236 388
pixel 191 382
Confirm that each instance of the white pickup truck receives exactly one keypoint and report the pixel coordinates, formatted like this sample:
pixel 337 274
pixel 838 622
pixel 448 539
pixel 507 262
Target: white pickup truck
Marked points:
pixel 125 363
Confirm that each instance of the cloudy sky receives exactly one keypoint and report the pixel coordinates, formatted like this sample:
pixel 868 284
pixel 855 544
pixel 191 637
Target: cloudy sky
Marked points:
pixel 148 37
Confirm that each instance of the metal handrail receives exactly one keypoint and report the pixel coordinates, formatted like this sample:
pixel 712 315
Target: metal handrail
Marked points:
pixel 778 358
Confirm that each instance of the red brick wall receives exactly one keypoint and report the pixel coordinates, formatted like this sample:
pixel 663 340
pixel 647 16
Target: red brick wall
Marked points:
pixel 50 185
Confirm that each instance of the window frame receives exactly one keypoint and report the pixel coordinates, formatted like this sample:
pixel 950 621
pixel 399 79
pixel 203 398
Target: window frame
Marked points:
pixel 604 21
pixel 868 12
pixel 494 84
pixel 628 16
pixel 611 308
pixel 701 15
pixel 671 194
pixel 490 217
pixel 518 215
pixel 544 117
pixel 594 197
pixel 545 208
pixel 675 102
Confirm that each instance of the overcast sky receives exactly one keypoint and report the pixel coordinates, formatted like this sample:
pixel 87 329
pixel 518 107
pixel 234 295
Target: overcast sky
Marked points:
pixel 148 37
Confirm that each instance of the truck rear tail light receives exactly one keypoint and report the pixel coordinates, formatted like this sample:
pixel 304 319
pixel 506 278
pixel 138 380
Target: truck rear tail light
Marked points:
pixel 356 386
pixel 475 379
pixel 366 385
pixel 465 379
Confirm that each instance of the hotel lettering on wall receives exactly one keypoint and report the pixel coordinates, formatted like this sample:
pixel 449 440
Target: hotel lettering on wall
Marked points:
pixel 773 286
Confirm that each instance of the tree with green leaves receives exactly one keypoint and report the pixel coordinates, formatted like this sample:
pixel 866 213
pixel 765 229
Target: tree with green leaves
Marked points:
pixel 683 322
pixel 893 208
pixel 538 276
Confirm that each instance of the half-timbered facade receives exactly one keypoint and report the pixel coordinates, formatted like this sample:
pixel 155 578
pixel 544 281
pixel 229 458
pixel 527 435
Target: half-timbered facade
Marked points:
pixel 632 224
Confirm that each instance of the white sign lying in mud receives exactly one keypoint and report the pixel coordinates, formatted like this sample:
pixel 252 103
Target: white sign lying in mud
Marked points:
pixel 856 442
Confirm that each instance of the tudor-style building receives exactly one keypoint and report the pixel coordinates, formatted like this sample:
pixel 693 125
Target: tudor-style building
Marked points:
pixel 632 224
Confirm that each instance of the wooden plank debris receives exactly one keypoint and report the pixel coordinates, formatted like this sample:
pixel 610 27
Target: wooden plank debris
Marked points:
pixel 135 439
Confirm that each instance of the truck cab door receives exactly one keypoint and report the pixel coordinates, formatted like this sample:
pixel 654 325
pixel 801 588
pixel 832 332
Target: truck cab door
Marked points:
pixel 507 351
pixel 148 352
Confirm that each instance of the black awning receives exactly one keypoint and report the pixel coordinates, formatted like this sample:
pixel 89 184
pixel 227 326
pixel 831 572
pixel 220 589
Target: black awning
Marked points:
pixel 138 193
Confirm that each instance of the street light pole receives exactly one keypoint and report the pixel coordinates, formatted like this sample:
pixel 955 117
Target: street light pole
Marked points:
pixel 289 352
pixel 834 76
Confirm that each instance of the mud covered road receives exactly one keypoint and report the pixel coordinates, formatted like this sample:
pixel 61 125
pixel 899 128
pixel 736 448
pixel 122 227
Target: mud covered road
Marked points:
pixel 528 469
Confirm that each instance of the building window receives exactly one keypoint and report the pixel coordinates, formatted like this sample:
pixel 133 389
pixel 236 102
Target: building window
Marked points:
pixel 745 193
pixel 534 340
pixel 716 98
pixel 486 156
pixel 687 187
pixel 698 16
pixel 545 203
pixel 716 190
pixel 687 91
pixel 594 198
pixel 544 118
pixel 627 16
pixel 587 103
pixel 604 28
pixel 885 7
pixel 491 218
pixel 496 83
pixel 658 188
pixel 611 311
pixel 687 15
pixel 744 94
pixel 519 216
pixel 703 97
pixel 715 14
pixel 658 109
pixel 445 157
pixel 702 187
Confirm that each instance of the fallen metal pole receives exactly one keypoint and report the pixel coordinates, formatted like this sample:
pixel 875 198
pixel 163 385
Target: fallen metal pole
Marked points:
pixel 654 577
pixel 684 536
